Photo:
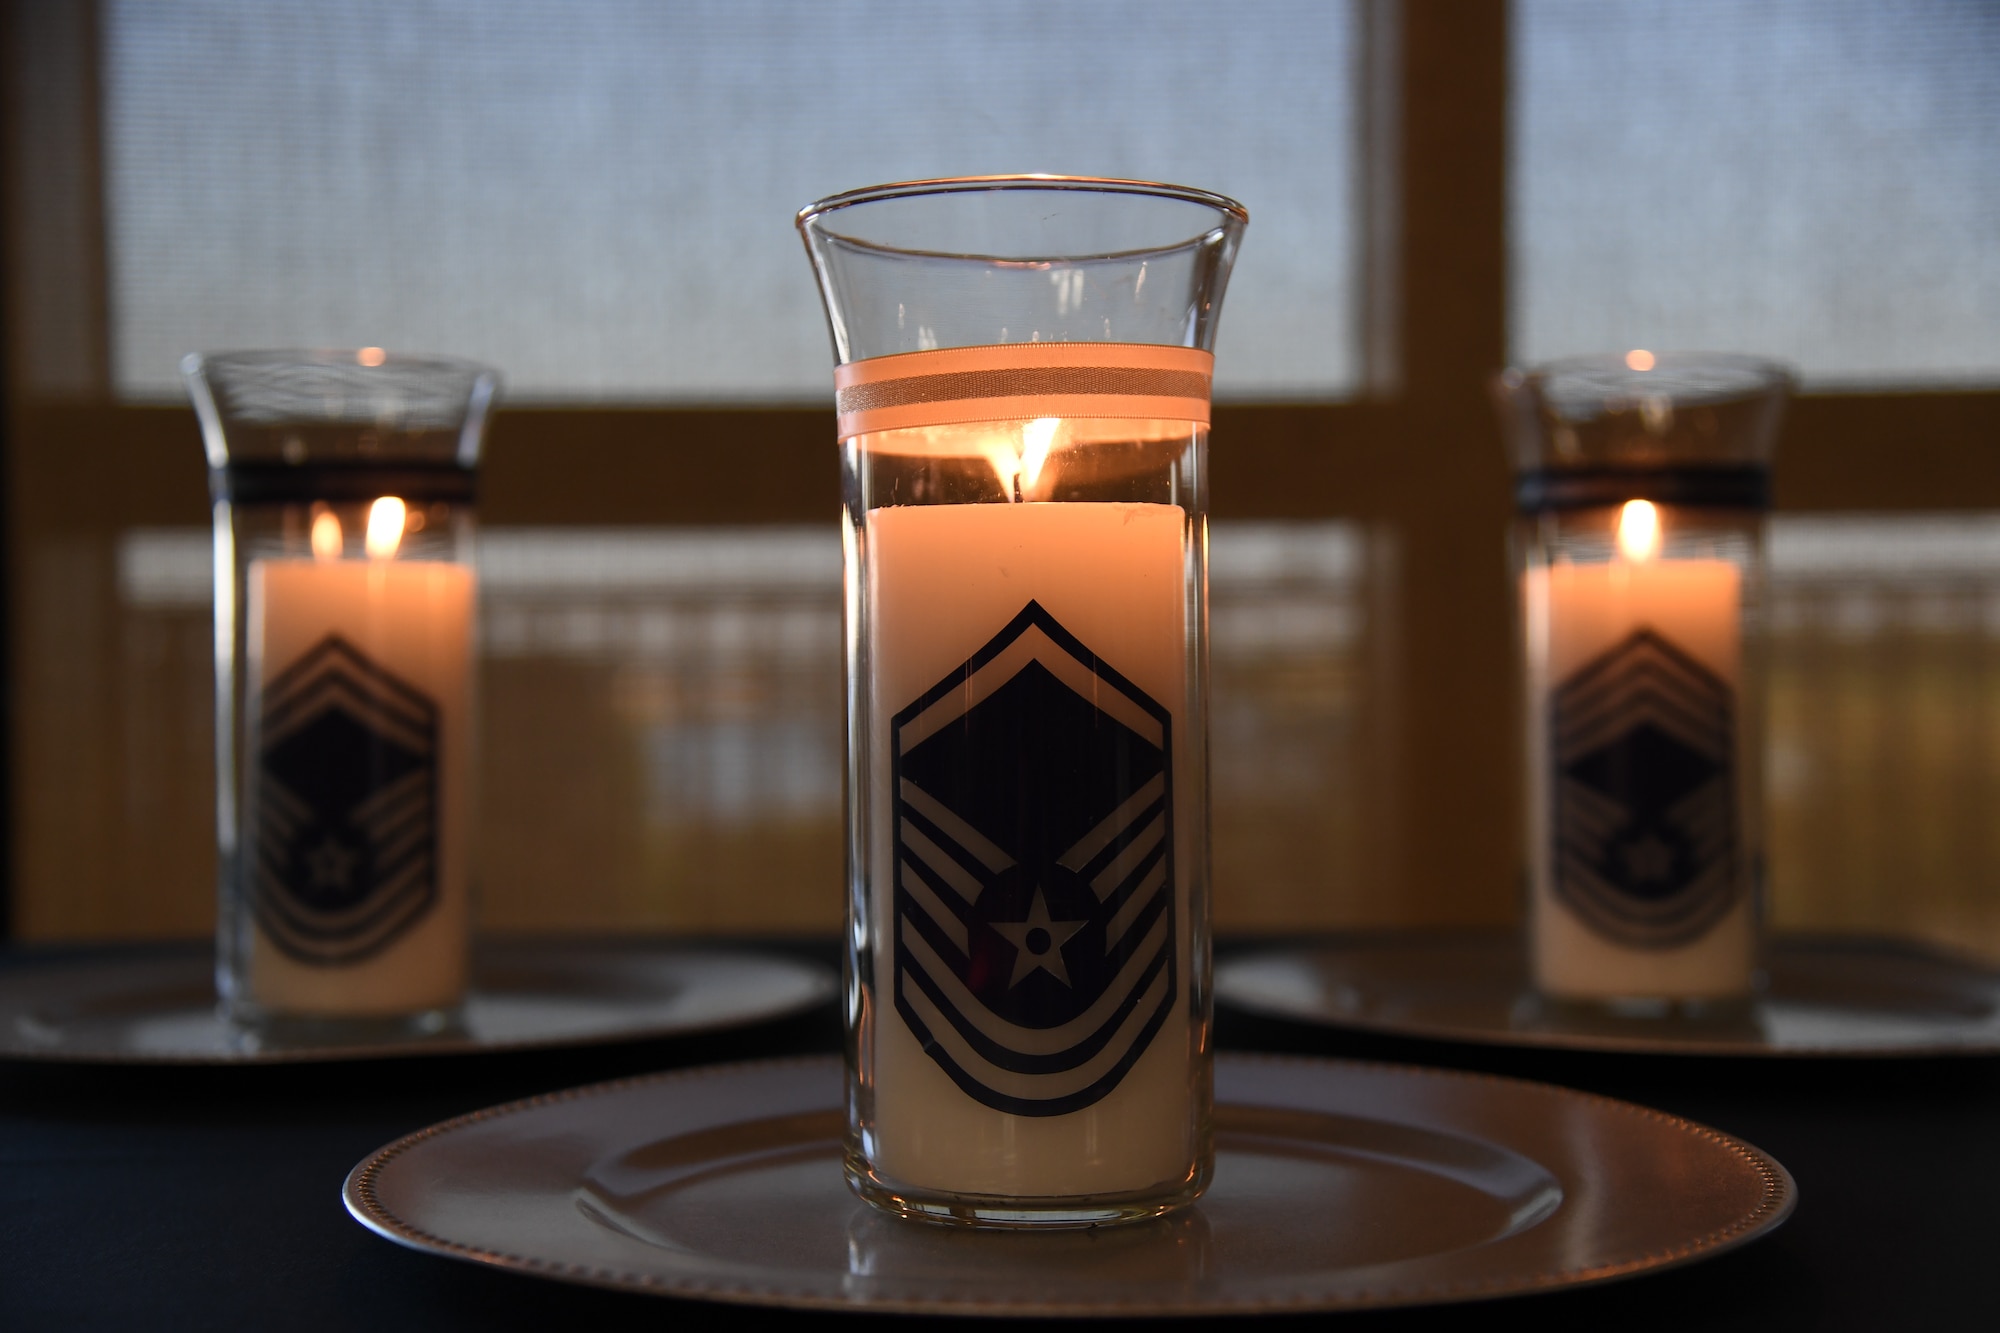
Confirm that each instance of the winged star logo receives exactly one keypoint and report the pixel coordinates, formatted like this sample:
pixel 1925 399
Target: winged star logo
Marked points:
pixel 1034 862
pixel 1645 800
pixel 346 807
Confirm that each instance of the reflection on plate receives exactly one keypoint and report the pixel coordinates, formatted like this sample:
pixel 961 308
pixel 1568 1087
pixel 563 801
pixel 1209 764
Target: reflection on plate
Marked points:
pixel 1823 996
pixel 1336 1186
pixel 159 1007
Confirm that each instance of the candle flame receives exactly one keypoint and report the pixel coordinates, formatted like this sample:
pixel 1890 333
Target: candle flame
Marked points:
pixel 1639 530
pixel 326 535
pixel 1018 467
pixel 1036 438
pixel 1006 462
pixel 385 527
pixel 1640 359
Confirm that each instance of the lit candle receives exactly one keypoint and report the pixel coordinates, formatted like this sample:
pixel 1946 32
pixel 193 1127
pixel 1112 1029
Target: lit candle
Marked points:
pixel 1024 370
pixel 1638 742
pixel 1066 916
pixel 356 813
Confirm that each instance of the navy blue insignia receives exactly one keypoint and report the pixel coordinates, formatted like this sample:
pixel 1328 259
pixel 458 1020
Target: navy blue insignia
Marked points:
pixel 1034 847
pixel 1645 796
pixel 346 807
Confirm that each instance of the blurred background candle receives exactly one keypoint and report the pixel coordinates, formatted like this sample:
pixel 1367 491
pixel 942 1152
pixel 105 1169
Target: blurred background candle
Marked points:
pixel 1634 676
pixel 1642 484
pixel 344 593
pixel 388 644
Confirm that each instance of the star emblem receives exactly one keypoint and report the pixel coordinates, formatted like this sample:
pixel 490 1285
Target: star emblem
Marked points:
pixel 1648 860
pixel 331 864
pixel 1038 942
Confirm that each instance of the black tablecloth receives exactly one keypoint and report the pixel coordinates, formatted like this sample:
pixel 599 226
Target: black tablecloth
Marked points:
pixel 209 1198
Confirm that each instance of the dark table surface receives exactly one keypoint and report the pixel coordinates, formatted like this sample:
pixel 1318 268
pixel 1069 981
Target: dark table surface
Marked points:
pixel 208 1198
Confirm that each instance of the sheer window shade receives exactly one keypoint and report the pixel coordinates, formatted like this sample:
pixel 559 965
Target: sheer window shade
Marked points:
pixel 1813 179
pixel 597 196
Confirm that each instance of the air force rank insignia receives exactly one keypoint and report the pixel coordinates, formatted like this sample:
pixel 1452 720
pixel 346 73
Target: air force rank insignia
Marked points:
pixel 1034 861
pixel 346 809
pixel 1645 798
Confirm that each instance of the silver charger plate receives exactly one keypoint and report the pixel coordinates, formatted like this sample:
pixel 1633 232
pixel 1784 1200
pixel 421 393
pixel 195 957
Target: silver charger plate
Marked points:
pixel 1822 996
pixel 158 1006
pixel 1337 1185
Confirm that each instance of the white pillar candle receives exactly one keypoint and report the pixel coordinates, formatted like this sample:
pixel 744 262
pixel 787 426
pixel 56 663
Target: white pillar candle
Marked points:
pixel 358 800
pixel 945 582
pixel 1641 868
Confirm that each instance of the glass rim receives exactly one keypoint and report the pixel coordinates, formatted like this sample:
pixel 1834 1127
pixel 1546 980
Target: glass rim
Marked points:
pixel 810 219
pixel 272 386
pixel 1687 377
pixel 333 358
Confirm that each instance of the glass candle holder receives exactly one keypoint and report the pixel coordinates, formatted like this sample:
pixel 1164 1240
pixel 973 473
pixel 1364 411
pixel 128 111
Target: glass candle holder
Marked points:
pixel 1023 389
pixel 1642 484
pixel 342 485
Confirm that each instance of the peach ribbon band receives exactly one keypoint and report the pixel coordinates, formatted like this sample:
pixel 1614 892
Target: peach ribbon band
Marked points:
pixel 1020 382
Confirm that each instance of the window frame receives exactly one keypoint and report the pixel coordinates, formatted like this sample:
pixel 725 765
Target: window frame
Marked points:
pixel 1418 453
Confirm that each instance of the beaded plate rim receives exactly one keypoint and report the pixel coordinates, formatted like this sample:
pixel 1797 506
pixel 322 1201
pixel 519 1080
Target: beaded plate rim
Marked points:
pixel 1777 1197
